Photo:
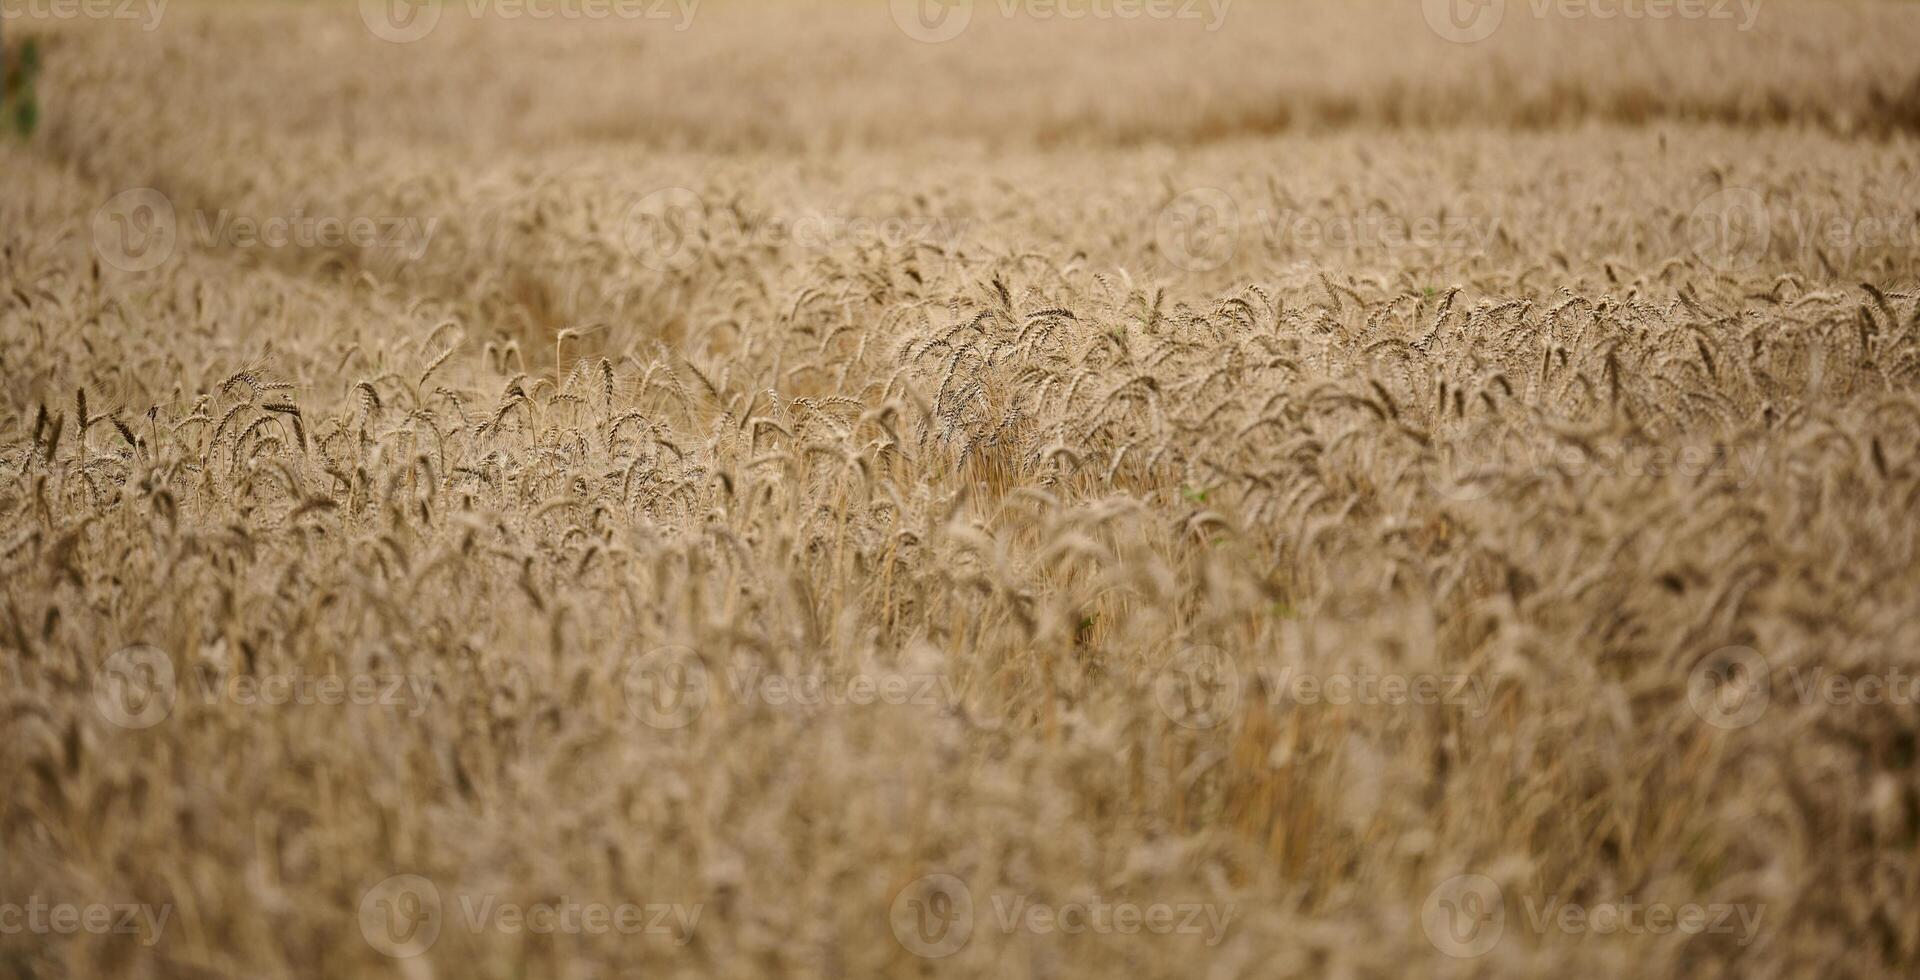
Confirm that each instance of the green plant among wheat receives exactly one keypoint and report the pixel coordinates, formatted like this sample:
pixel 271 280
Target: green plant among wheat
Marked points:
pixel 19 102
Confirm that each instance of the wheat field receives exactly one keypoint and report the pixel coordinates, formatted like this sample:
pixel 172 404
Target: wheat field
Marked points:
pixel 744 489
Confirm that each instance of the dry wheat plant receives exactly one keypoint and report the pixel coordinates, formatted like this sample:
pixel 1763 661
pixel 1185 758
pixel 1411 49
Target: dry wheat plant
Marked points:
pixel 744 489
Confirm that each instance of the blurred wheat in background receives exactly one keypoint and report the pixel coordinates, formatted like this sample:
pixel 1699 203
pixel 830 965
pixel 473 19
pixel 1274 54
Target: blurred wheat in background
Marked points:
pixel 1002 489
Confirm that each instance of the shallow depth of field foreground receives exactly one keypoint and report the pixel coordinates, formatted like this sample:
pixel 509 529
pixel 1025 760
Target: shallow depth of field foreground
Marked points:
pixel 820 489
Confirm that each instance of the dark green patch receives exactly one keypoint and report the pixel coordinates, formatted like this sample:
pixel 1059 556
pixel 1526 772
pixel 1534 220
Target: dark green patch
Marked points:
pixel 21 106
